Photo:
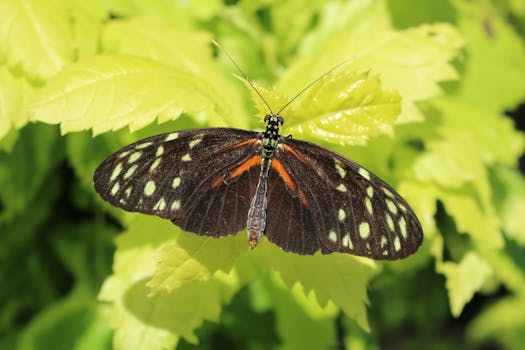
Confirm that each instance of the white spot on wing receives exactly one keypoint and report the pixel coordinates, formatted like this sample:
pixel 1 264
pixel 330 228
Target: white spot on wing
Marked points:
pixel 172 136
pixel 339 168
pixel 115 188
pixel 160 205
pixel 370 192
pixel 160 151
pixel 403 227
pixel 341 188
pixel 175 205
pixel 155 164
pixel 149 189
pixel 116 172
pixel 134 157
pixel 143 145
pixel 368 204
pixel 186 157
pixel 347 242
pixel 384 241
pixel 364 230
pixel 123 154
pixel 388 192
pixel 341 215
pixel 195 141
pixel 389 222
pixel 364 173
pixel 130 171
pixel 391 206
pixel 397 244
pixel 332 236
pixel 175 183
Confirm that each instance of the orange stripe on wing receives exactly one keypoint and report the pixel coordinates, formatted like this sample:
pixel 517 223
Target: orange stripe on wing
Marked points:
pixel 279 168
pixel 303 198
pixel 250 163
pixel 293 152
pixel 217 182
pixel 243 143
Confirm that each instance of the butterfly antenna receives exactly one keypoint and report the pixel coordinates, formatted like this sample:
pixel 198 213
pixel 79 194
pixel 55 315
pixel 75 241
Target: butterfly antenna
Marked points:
pixel 314 82
pixel 242 74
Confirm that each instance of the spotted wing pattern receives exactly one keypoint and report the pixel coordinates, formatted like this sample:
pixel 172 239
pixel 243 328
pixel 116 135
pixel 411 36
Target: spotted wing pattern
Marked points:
pixel 342 207
pixel 196 178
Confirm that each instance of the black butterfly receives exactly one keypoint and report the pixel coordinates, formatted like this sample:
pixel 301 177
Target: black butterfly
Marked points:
pixel 219 181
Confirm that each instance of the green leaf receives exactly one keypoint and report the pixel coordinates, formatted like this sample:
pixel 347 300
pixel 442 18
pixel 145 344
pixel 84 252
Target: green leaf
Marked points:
pixel 411 62
pixel 344 108
pixel 36 36
pixel 429 11
pixel 509 198
pixel 156 321
pixel 464 279
pixel 301 322
pixel 15 91
pixel 359 16
pixel 190 51
pixel 194 258
pixel 341 278
pixel 290 20
pixel 24 170
pixel 492 136
pixel 75 322
pixel 180 14
pixel 108 92
pixel 88 18
pixel 503 321
pixel 492 82
pixel 341 108
pixel 445 166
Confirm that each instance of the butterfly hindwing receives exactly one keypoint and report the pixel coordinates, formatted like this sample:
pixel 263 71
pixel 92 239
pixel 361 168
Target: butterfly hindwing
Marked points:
pixel 353 210
pixel 289 223
pixel 183 176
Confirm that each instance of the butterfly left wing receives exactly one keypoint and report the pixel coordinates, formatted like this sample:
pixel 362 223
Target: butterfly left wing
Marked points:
pixel 186 177
pixel 351 209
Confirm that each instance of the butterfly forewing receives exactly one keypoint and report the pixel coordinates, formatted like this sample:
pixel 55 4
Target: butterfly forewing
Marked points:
pixel 184 176
pixel 353 210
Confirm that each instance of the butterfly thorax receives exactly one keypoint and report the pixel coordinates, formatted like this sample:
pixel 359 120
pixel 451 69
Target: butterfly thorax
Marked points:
pixel 271 135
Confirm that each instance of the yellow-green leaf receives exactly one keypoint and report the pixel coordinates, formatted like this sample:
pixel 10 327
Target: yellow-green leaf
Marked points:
pixel 15 91
pixel 411 62
pixel 464 279
pixel 36 35
pixel 108 92
pixel 344 108
pixel 341 278
pixel 195 258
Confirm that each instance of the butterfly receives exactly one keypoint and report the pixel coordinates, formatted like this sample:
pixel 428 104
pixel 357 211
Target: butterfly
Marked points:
pixel 303 197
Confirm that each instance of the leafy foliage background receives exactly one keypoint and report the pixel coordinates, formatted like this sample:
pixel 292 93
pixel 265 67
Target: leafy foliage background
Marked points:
pixel 421 103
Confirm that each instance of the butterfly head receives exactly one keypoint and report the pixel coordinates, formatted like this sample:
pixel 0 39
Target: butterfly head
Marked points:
pixel 273 123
